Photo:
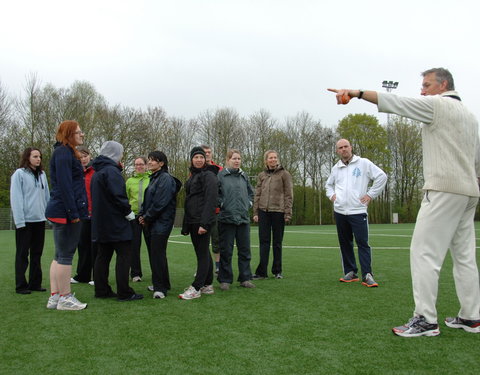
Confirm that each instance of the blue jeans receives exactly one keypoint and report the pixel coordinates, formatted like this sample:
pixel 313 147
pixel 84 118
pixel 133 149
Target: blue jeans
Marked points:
pixel 347 227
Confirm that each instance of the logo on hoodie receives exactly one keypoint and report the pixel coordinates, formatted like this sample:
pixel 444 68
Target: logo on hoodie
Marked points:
pixel 356 172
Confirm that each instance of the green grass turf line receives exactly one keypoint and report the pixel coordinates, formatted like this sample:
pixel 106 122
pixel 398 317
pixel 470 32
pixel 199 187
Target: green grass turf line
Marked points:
pixel 307 323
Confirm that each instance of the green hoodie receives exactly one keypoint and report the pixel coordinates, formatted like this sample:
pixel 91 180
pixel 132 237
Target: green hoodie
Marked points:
pixel 133 189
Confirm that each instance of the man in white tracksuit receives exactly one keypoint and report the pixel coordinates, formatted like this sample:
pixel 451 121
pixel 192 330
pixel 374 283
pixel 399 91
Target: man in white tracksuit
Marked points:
pixel 348 188
pixel 451 155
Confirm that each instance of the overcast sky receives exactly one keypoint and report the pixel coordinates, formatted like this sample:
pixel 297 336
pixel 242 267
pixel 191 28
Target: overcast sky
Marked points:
pixel 188 56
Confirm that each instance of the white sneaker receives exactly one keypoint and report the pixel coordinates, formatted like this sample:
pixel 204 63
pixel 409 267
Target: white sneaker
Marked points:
pixel 70 302
pixel 53 301
pixel 73 281
pixel 158 294
pixel 137 279
pixel 207 289
pixel 190 293
pixel 92 283
pixel 151 288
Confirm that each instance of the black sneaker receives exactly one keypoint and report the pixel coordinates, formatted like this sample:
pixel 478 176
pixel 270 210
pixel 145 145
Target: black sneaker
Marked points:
pixel 258 277
pixel 417 326
pixel 133 297
pixel 472 326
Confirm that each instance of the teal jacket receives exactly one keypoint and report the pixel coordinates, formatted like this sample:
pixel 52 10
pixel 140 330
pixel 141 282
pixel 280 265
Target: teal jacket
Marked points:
pixel 235 196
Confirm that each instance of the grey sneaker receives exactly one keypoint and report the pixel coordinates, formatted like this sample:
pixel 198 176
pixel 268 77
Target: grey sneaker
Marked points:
pixel 70 302
pixel 151 288
pixel 158 295
pixel 136 279
pixel 278 276
pixel 207 289
pixel 247 284
pixel 349 277
pixel 417 326
pixel 472 326
pixel 368 281
pixel 53 301
pixel 224 286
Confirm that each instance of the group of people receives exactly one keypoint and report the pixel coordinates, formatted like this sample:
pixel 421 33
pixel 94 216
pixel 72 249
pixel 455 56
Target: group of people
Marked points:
pixel 451 164
pixel 92 208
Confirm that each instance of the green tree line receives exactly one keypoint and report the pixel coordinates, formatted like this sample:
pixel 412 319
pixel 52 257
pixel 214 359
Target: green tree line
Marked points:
pixel 306 147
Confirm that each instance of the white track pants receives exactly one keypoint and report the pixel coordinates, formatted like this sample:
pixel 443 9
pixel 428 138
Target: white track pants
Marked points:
pixel 445 221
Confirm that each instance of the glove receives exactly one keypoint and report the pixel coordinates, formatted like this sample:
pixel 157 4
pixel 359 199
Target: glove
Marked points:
pixel 130 216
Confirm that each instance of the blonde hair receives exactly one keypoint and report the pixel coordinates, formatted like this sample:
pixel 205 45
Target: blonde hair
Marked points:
pixel 230 153
pixel 265 156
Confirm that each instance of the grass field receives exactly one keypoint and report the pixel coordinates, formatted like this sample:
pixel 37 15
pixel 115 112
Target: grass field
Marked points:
pixel 307 323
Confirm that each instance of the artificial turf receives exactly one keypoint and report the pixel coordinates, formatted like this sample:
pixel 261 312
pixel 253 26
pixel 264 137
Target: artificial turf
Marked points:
pixel 307 323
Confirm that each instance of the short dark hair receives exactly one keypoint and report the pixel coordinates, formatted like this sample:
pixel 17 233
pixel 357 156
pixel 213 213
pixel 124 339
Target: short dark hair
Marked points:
pixel 441 75
pixel 159 156
pixel 25 158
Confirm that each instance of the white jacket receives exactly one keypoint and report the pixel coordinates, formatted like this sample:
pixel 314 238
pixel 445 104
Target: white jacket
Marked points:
pixel 350 182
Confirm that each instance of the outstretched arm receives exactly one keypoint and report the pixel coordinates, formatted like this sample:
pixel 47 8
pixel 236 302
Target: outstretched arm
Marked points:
pixel 369 96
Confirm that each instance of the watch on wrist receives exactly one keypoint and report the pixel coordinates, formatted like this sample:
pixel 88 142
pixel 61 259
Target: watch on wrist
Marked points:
pixel 360 94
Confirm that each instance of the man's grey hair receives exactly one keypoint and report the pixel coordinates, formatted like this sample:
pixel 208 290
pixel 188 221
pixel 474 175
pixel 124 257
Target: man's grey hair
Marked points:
pixel 442 74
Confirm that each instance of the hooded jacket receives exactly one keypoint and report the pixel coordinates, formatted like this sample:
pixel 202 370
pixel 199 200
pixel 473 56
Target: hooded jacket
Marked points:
pixel 109 202
pixel 201 199
pixel 235 196
pixel 28 197
pixel 68 197
pixel 274 192
pixel 160 201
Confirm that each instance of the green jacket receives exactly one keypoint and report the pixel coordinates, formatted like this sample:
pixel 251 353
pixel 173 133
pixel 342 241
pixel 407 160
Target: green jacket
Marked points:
pixel 235 196
pixel 133 189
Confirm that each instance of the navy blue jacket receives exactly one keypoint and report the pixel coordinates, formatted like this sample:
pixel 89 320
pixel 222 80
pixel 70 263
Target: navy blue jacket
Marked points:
pixel 159 203
pixel 68 197
pixel 109 202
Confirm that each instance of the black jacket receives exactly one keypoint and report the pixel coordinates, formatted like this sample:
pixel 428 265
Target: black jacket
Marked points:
pixel 159 202
pixel 109 203
pixel 201 199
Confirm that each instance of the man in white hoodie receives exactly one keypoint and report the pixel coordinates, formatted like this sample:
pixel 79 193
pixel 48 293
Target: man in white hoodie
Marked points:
pixel 348 188
pixel 451 166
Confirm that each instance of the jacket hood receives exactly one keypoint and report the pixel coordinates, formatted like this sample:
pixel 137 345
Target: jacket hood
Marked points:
pixel 112 150
pixel 101 162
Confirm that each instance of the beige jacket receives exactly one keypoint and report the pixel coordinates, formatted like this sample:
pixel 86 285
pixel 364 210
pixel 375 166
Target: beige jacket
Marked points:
pixel 274 192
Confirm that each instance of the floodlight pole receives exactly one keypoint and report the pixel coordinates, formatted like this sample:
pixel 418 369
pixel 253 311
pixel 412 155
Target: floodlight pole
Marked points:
pixel 389 86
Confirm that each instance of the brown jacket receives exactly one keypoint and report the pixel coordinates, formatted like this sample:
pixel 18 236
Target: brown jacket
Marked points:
pixel 274 192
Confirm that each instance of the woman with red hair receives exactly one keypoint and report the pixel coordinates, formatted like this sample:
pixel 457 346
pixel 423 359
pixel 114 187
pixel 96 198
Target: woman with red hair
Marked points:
pixel 67 205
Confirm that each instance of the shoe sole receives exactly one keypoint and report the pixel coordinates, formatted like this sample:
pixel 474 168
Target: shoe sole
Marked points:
pixel 349 281
pixel 370 286
pixel 71 308
pixel 464 327
pixel 186 299
pixel 430 333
